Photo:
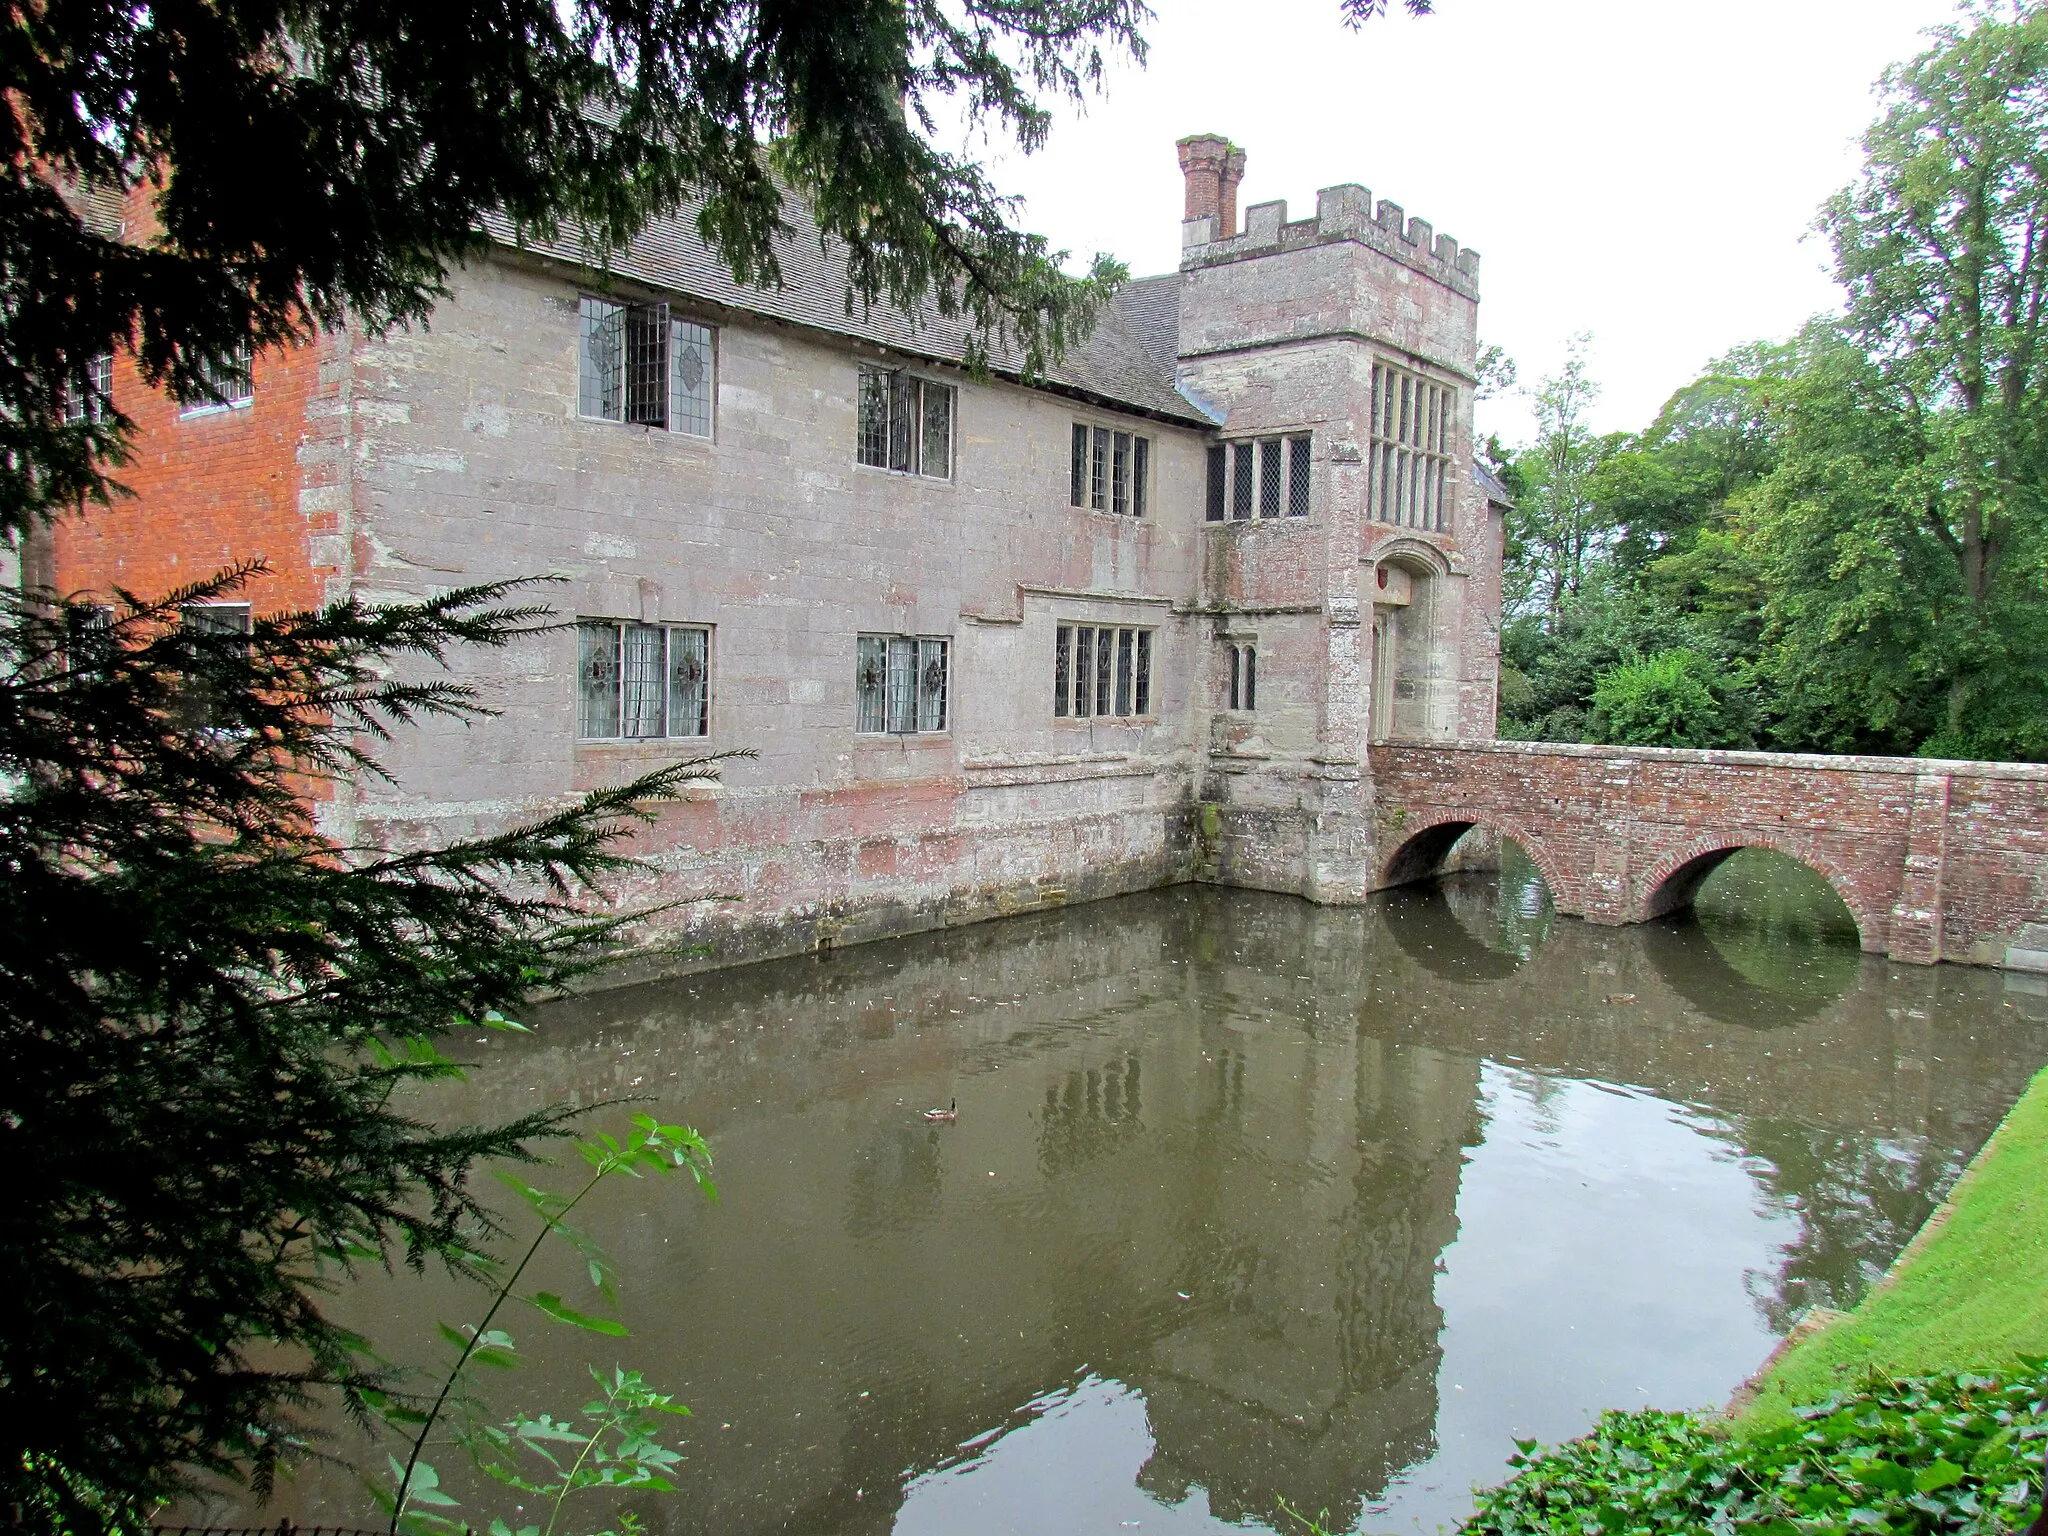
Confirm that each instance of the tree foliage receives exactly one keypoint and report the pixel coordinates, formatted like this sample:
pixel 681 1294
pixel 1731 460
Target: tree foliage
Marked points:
pixel 376 138
pixel 1940 247
pixel 1852 528
pixel 210 1011
pixel 1556 532
pixel 1676 698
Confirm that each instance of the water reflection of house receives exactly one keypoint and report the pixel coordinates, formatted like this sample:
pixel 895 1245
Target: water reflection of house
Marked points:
pixel 1257 1102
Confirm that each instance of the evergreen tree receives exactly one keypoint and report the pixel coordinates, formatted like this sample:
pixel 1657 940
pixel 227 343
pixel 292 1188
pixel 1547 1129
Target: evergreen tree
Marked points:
pixel 209 1011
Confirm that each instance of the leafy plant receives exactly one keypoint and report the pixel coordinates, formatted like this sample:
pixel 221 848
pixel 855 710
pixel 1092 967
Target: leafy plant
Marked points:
pixel 1311 1525
pixel 619 1449
pixel 1958 1453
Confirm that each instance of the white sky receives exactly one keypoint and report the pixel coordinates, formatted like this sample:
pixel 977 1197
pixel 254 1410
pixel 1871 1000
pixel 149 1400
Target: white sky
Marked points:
pixel 1643 170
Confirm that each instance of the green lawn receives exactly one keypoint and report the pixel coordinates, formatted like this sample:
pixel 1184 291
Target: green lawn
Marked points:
pixel 1971 1294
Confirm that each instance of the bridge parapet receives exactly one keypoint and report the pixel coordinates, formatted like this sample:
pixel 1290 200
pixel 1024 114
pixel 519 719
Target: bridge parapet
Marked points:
pixel 1936 860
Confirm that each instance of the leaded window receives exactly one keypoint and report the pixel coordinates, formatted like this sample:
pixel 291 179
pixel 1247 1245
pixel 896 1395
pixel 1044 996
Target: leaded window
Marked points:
pixel 900 684
pixel 638 364
pixel 1109 470
pixel 642 681
pixel 906 423
pixel 209 627
pixel 1101 670
pixel 1414 424
pixel 693 378
pixel 1260 477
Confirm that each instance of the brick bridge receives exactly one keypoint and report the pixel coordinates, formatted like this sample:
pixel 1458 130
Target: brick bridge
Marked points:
pixel 1935 860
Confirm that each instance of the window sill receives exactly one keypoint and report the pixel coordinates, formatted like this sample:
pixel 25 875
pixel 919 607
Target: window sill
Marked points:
pixel 192 413
pixel 702 440
pixel 903 474
pixel 1284 520
pixel 1071 721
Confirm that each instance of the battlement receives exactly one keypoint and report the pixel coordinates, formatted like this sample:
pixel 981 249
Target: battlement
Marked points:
pixel 1342 213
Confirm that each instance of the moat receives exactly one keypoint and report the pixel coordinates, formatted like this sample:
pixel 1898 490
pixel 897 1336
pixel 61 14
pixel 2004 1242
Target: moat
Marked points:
pixel 1246 1199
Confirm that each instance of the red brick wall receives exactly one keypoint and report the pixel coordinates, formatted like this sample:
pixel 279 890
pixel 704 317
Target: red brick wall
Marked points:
pixel 209 490
pixel 1936 860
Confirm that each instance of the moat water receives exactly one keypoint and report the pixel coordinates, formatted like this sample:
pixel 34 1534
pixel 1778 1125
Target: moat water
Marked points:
pixel 1247 1199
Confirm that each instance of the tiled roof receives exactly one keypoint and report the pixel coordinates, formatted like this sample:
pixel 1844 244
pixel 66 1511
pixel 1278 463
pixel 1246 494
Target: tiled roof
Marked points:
pixel 1490 485
pixel 1128 360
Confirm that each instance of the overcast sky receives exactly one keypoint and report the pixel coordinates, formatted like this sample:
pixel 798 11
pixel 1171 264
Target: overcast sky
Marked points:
pixel 1643 170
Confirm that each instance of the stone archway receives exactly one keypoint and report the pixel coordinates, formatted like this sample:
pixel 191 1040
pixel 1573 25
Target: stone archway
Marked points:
pixel 1421 854
pixel 1671 886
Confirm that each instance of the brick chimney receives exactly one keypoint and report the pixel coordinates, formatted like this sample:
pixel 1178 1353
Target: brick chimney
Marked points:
pixel 1213 167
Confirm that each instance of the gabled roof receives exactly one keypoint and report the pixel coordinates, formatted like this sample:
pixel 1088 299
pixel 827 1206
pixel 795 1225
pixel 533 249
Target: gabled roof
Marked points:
pixel 1490 485
pixel 1127 361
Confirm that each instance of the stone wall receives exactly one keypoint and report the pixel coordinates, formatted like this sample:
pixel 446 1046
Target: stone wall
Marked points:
pixel 471 465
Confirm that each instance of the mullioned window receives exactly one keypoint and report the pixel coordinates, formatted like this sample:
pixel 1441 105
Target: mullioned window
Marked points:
pixel 640 365
pixel 1101 671
pixel 1413 427
pixel 906 423
pixel 1258 477
pixel 641 681
pixel 1108 470
pixel 901 684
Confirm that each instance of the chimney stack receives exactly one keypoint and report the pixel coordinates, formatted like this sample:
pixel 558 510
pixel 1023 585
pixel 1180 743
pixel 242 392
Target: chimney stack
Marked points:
pixel 1213 167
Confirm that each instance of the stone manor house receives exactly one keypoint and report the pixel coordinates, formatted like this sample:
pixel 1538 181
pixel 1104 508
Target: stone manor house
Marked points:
pixel 995 646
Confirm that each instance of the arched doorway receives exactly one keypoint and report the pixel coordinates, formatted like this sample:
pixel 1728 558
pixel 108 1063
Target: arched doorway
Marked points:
pixel 1413 656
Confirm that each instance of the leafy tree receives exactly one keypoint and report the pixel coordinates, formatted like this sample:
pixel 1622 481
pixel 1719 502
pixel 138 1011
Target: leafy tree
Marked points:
pixel 1861 610
pixel 1940 246
pixel 1555 532
pixel 1675 481
pixel 1609 623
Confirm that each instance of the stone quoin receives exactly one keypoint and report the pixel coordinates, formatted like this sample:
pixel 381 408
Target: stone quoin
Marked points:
pixel 1218 598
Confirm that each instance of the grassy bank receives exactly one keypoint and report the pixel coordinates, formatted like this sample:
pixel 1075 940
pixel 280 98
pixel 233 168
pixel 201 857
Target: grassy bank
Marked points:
pixel 1970 1293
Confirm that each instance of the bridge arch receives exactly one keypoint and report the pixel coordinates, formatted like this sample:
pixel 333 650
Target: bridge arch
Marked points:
pixel 1672 885
pixel 1422 853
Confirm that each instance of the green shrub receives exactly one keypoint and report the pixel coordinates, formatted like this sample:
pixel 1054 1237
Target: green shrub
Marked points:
pixel 1676 698
pixel 1940 1454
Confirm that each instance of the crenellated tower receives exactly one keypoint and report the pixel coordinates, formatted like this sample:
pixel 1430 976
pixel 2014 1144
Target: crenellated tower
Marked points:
pixel 1351 573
